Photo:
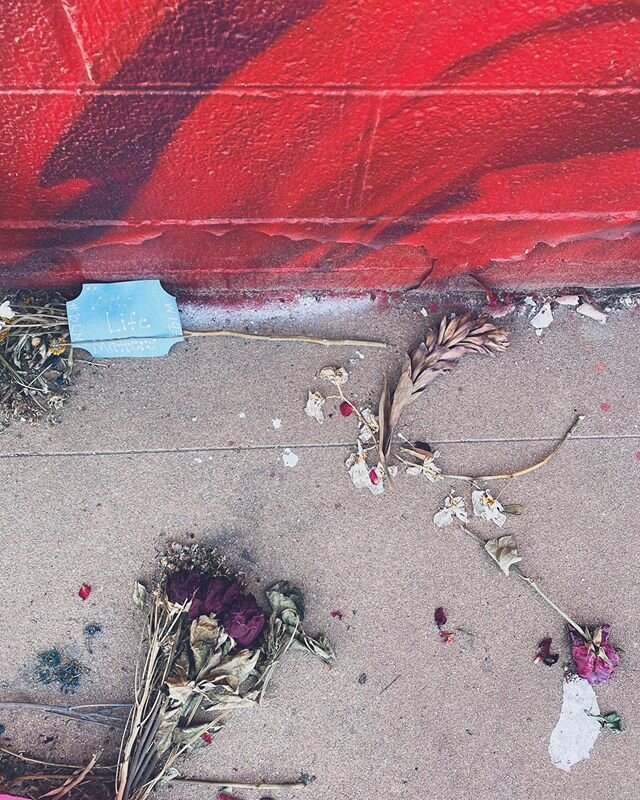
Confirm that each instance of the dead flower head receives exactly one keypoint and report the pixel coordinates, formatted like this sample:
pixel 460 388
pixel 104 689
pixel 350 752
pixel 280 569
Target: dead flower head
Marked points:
pixel 335 375
pixel 454 508
pixel 313 409
pixel 486 506
pixel 422 461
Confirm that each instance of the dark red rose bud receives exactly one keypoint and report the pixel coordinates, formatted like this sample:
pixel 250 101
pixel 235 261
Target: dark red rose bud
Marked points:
pixel 346 409
pixel 182 586
pixel 374 477
pixel 244 620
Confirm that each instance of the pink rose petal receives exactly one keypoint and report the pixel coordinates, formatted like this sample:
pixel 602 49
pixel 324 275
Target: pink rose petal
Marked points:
pixel 83 593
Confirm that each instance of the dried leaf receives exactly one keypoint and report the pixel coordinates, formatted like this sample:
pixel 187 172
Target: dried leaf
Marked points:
pixel 503 551
pixel 139 595
pixel 203 638
pixel 440 352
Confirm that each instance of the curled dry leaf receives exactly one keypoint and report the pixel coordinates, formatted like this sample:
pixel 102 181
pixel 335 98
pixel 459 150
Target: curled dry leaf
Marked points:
pixel 440 352
pixel 313 409
pixel 139 595
pixel 338 376
pixel 503 551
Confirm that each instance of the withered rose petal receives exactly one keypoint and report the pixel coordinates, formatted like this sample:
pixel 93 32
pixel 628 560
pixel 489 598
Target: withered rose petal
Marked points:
pixel 219 593
pixel 440 617
pixel 182 586
pixel 244 621
pixel 346 409
pixel 590 663
pixel 84 591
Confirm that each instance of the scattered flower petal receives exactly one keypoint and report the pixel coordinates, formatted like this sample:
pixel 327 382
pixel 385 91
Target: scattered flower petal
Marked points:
pixel 454 508
pixel 595 659
pixel 314 405
pixel 424 312
pixel 337 614
pixel 374 477
pixel 544 654
pixel 605 407
pixel 208 738
pixel 576 732
pixel 277 423
pixel 447 637
pixel 360 472
pixel 504 552
pixel 587 310
pixel 600 367
pixel 487 507
pixel 335 375
pixel 365 434
pixel 84 591
pixel 440 617
pixel 346 409
pixel 289 458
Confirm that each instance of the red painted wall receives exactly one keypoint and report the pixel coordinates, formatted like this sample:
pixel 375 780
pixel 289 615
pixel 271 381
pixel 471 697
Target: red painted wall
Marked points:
pixel 246 144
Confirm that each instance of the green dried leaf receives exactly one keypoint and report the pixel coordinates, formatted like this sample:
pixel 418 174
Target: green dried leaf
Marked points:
pixel 319 647
pixel 139 595
pixel 503 551
pixel 282 595
pixel 612 721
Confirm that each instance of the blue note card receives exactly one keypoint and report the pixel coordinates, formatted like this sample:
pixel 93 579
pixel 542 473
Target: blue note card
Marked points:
pixel 130 319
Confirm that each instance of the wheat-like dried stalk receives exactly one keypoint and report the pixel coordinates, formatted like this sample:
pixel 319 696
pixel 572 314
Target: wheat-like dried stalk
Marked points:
pixel 440 352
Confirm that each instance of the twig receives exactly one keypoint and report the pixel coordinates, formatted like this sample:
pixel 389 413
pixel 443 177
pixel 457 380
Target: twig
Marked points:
pixel 265 787
pixel 61 791
pixel 526 470
pixel 309 339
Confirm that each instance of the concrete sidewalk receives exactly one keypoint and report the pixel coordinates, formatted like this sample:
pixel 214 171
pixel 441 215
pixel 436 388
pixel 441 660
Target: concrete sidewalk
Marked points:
pixel 185 448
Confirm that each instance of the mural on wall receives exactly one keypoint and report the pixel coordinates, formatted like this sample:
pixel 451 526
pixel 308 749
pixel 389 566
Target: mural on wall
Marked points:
pixel 319 143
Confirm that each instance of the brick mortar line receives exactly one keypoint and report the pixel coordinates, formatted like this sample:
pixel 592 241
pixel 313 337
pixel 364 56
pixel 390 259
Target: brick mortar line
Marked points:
pixel 284 445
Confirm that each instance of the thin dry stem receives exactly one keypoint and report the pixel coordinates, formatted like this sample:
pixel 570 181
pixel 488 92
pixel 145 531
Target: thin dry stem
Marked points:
pixel 265 787
pixel 526 470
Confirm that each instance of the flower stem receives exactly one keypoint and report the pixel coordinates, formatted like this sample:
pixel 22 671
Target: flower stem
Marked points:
pixel 238 785
pixel 550 602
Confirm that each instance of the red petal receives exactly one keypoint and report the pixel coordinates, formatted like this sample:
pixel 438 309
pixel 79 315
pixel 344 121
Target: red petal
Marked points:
pixel 84 592
pixel 337 614
pixel 440 617
pixel 374 477
pixel 207 737
pixel 346 409
pixel 447 637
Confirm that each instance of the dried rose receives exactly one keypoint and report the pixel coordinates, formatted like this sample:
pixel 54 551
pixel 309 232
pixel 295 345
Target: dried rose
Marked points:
pixel 218 594
pixel 182 586
pixel 244 621
pixel 440 617
pixel 595 658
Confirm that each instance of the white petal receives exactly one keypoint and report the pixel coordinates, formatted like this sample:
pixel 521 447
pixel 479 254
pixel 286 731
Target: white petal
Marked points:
pixel 443 518
pixel 359 473
pixel 277 423
pixel 568 300
pixel 335 375
pixel 314 405
pixel 414 471
pixel 478 505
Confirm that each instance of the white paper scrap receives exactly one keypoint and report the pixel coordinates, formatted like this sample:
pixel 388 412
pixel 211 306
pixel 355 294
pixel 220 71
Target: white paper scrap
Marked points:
pixel 576 732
